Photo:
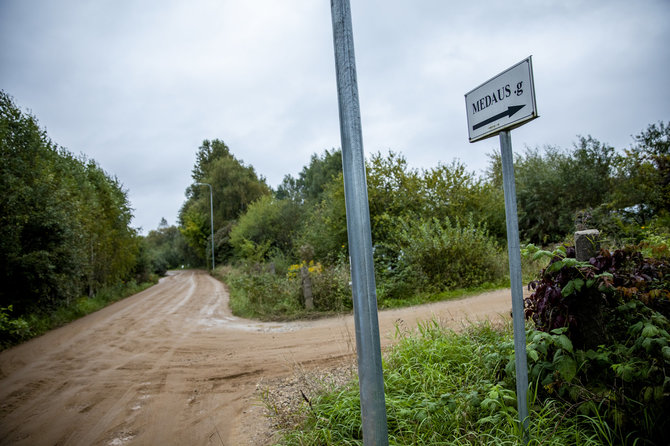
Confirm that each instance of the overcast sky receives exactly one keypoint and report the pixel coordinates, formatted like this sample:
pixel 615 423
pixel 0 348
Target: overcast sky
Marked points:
pixel 138 85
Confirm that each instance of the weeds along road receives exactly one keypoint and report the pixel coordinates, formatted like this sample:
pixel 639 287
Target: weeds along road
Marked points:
pixel 172 366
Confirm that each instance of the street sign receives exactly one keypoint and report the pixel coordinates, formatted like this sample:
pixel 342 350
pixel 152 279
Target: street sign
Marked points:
pixel 495 107
pixel 502 103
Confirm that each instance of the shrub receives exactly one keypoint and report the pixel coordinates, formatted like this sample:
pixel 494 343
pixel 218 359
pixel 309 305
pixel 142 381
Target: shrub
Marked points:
pixel 12 331
pixel 444 388
pixel 331 290
pixel 656 245
pixel 583 295
pixel 259 293
pixel 262 294
pixel 602 341
pixel 444 255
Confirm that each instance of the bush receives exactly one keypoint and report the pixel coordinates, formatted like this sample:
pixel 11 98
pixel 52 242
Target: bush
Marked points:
pixel 443 255
pixel 262 294
pixel 258 292
pixel 12 331
pixel 444 388
pixel 583 295
pixel 603 339
pixel 331 290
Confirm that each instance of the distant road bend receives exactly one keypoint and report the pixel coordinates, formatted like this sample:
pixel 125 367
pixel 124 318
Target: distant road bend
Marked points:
pixel 172 366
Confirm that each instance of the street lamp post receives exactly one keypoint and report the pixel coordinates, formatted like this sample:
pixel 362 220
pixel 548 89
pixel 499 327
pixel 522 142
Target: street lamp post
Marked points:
pixel 211 216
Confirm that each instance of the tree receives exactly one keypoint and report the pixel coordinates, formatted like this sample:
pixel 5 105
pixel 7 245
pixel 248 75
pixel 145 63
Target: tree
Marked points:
pixel 39 249
pixel 553 186
pixel 325 224
pixel 164 248
pixel 321 170
pixel 269 226
pixel 234 187
pixel 313 178
pixel 643 175
pixel 450 191
pixel 111 244
pixel 64 222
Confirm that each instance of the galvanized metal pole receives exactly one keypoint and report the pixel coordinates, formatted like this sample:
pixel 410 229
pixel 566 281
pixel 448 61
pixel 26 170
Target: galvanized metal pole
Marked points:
pixel 211 216
pixel 514 251
pixel 370 377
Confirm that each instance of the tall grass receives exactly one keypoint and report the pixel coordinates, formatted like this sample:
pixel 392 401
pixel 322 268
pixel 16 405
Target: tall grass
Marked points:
pixel 263 294
pixel 447 388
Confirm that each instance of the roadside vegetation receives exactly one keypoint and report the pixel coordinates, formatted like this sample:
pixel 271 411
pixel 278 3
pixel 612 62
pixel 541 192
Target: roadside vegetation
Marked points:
pixel 437 233
pixel 15 330
pixel 598 343
pixel 598 347
pixel 64 232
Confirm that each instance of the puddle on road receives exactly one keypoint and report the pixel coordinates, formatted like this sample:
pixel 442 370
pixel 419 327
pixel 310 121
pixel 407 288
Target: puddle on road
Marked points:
pixel 121 439
pixel 234 323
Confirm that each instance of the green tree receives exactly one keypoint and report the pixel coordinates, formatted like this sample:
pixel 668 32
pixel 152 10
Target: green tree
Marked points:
pixel 325 224
pixel 64 223
pixel 452 192
pixel 552 187
pixel 39 255
pixel 397 193
pixel 394 190
pixel 194 229
pixel 313 179
pixel 642 180
pixel 269 225
pixel 164 248
pixel 111 244
pixel 234 186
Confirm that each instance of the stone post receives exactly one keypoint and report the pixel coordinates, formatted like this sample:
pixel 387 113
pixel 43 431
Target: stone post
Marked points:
pixel 307 288
pixel 587 244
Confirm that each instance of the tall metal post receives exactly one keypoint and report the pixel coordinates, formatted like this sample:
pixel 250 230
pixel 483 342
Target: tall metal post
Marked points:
pixel 211 216
pixel 514 252
pixel 370 377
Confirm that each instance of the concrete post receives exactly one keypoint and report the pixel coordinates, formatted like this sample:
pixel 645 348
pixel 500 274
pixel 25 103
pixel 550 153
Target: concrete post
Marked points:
pixel 587 244
pixel 307 288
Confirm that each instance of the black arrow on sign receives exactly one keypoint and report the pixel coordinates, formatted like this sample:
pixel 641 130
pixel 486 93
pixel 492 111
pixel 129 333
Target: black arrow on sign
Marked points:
pixel 510 111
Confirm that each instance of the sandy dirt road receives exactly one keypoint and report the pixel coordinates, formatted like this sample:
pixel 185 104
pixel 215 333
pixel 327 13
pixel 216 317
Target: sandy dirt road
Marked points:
pixel 172 366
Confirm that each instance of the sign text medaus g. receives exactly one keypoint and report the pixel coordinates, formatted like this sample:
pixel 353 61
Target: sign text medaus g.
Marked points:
pixel 503 102
pixel 496 96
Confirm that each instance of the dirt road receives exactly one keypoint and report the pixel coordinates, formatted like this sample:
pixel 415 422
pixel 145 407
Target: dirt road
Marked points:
pixel 172 366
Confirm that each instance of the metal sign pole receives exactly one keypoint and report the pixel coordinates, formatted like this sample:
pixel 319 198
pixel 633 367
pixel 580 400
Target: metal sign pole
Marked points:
pixel 514 251
pixel 370 377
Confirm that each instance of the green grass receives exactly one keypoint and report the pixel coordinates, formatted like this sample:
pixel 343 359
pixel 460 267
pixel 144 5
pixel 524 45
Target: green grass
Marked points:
pixel 270 297
pixel 447 388
pixel 263 295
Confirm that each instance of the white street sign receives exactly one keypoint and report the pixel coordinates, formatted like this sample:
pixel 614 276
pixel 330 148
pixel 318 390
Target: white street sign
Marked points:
pixel 502 103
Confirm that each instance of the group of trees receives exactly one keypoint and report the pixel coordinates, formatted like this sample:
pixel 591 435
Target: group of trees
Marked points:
pixel 594 185
pixel 591 183
pixel 421 216
pixel 64 222
pixel 234 187
pixel 164 248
